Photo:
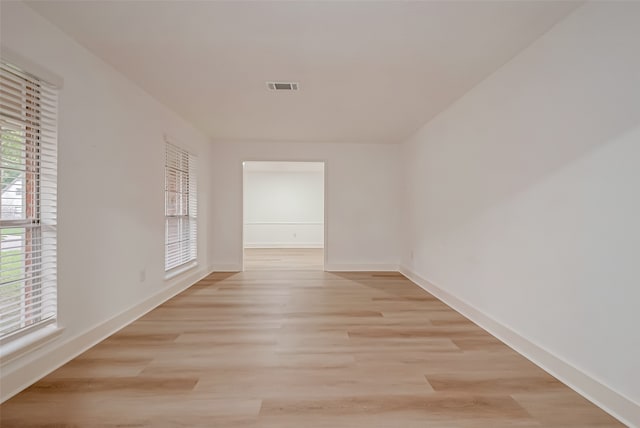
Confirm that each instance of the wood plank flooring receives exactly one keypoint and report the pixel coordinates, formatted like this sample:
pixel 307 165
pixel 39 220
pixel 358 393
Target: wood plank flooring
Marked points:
pixel 301 349
pixel 283 259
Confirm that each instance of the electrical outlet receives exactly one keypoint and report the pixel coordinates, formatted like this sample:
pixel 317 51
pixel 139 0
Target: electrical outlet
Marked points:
pixel 143 275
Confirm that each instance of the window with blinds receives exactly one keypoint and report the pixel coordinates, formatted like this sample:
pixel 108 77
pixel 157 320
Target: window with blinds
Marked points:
pixel 180 199
pixel 28 163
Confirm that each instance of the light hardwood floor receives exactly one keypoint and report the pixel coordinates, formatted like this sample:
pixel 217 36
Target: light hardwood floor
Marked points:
pixel 283 259
pixel 301 349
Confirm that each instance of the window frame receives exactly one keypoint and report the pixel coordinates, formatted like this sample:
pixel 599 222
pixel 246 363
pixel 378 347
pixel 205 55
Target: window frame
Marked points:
pixel 36 121
pixel 181 199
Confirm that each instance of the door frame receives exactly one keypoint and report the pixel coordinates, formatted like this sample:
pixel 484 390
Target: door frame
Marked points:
pixel 325 227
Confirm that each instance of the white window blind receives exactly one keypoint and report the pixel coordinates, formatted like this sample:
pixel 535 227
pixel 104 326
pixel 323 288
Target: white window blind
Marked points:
pixel 181 207
pixel 28 170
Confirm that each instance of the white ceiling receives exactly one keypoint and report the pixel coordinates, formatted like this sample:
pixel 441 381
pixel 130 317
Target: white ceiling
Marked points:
pixel 368 71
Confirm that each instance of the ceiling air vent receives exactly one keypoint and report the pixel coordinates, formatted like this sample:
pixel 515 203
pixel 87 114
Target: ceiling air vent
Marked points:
pixel 282 86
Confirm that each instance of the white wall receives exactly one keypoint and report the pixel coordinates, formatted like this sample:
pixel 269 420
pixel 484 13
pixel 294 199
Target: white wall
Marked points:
pixel 110 194
pixel 283 209
pixel 362 182
pixel 522 201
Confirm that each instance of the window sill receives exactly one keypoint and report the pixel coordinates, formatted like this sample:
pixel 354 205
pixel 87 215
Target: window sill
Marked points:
pixel 18 347
pixel 180 270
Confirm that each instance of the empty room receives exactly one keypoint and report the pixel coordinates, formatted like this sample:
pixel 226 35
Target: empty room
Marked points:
pixel 460 248
pixel 283 206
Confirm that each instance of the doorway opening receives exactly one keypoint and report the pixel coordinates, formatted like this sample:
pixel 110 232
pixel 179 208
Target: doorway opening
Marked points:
pixel 283 215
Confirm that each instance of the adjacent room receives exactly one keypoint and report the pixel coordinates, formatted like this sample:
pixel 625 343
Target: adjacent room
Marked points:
pixel 283 205
pixel 319 213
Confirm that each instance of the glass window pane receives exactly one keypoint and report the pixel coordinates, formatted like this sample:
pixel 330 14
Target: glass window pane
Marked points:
pixel 12 276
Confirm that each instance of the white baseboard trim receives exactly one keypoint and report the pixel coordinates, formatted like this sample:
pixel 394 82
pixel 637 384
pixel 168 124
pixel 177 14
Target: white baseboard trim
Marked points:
pixel 29 373
pixel 601 395
pixel 338 267
pixel 283 245
pixel 231 267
